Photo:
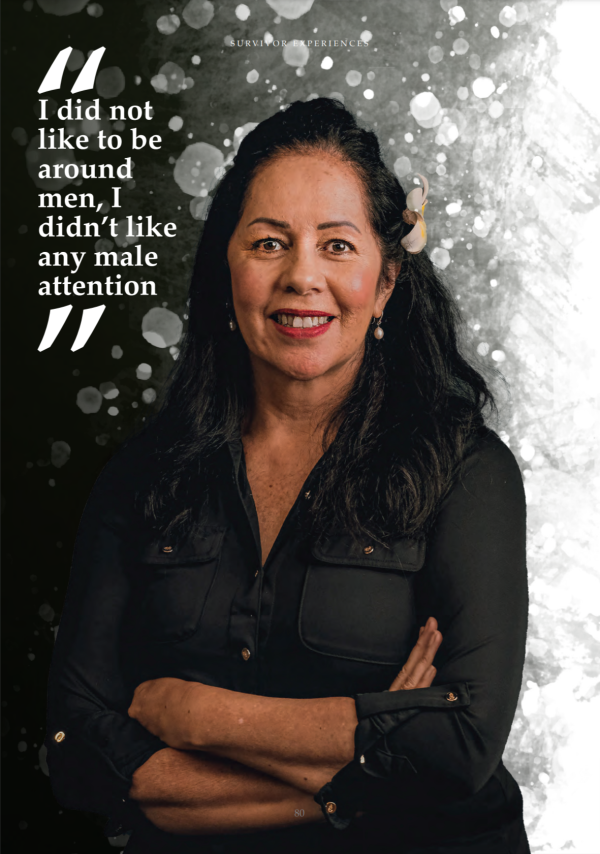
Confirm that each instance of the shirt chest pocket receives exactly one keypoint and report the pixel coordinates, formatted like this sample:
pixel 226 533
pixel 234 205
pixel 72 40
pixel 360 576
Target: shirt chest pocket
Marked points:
pixel 176 581
pixel 358 603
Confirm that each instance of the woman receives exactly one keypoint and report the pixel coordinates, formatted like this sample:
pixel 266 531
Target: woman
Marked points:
pixel 311 492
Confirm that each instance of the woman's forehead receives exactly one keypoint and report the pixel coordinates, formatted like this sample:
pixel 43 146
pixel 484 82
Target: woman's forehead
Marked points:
pixel 316 184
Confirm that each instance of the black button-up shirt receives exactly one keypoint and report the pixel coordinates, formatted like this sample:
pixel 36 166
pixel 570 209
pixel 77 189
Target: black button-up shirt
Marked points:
pixel 328 619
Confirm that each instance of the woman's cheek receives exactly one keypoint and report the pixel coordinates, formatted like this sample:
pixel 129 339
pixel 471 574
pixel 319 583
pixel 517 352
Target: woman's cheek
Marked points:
pixel 355 293
pixel 356 313
pixel 251 287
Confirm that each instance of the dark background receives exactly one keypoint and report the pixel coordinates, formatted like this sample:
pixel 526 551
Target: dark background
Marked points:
pixel 40 521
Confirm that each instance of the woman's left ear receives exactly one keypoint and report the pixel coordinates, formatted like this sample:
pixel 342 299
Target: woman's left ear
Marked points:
pixel 390 281
pixel 393 271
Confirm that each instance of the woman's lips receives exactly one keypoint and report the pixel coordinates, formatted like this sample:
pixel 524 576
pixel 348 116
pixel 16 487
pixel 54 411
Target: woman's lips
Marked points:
pixel 303 331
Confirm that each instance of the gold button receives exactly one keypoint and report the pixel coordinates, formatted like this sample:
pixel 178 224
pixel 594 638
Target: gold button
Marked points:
pixel 256 573
pixel 59 736
pixel 330 807
pixel 246 653
pixel 307 494
pixel 362 760
pixel 167 549
pixel 368 550
pixel 451 697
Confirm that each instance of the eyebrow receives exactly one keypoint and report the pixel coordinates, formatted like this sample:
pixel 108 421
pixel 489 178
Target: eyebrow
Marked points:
pixel 278 223
pixel 336 224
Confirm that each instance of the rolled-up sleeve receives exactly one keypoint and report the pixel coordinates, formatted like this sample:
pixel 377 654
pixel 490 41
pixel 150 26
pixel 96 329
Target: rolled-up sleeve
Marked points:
pixel 93 746
pixel 449 738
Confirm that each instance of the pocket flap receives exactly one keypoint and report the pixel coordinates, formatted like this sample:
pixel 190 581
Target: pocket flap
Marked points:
pixel 403 555
pixel 202 545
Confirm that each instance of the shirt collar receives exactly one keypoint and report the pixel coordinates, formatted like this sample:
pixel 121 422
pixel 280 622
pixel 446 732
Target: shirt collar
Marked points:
pixel 236 453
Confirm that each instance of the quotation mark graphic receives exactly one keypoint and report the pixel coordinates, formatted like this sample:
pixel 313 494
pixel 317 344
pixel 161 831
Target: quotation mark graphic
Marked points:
pixel 57 319
pixel 85 79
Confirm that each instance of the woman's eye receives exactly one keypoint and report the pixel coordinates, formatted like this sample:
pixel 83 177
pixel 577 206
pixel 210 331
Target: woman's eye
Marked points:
pixel 269 244
pixel 339 247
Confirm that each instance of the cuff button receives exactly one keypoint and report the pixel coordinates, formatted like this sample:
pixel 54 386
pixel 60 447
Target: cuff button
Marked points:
pixel 451 697
pixel 362 760
pixel 368 550
pixel 59 736
pixel 330 807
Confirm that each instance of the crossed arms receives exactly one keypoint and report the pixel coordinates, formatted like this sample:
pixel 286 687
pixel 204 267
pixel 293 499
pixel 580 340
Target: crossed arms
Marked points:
pixel 239 762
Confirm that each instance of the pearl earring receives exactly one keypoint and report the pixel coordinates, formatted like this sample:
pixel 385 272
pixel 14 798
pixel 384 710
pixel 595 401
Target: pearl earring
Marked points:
pixel 231 322
pixel 378 331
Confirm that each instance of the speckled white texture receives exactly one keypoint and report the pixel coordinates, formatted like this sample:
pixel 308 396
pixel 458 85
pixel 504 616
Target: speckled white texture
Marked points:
pixel 554 746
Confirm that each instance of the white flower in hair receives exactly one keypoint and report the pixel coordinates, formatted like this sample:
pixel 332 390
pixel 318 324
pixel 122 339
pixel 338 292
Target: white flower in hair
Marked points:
pixel 416 239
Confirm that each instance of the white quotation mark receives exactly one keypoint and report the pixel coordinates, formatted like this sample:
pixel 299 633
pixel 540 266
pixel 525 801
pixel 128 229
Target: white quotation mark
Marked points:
pixel 57 319
pixel 85 79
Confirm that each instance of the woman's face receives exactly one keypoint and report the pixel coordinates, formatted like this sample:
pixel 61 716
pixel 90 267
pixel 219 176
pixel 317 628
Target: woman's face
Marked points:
pixel 305 266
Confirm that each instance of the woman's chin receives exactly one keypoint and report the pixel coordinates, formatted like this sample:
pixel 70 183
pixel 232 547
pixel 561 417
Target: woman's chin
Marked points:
pixel 303 369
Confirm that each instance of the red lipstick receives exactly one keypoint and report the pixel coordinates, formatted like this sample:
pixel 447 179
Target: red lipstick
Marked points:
pixel 301 331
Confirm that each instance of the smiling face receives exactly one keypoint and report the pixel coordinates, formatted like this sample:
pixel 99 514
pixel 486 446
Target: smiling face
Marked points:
pixel 305 267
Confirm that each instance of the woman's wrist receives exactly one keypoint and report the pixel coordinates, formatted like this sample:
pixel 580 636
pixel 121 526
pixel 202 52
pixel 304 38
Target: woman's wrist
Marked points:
pixel 211 716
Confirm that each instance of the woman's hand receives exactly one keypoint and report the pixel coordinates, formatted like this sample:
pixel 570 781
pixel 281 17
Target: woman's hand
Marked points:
pixel 167 708
pixel 419 672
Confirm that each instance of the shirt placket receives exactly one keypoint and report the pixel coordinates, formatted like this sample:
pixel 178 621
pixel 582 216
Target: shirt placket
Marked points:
pixel 246 602
pixel 253 602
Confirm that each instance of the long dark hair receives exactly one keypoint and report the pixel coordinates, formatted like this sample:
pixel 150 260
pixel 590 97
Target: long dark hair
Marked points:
pixel 393 446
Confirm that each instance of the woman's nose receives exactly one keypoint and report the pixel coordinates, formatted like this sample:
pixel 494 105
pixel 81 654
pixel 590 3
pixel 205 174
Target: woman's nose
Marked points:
pixel 302 272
